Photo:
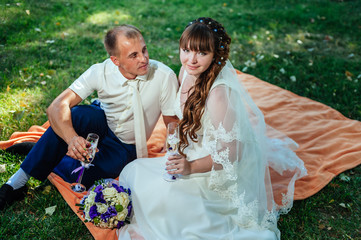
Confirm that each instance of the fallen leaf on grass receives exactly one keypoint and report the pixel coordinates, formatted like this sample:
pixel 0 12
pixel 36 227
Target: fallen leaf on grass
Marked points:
pixel 334 185
pixel 50 210
pixel 345 205
pixel 51 72
pixel 23 104
pixel 348 74
pixel 2 168
pixel 344 177
pixel 27 12
pixel 18 115
pixel 47 190
pixel 321 226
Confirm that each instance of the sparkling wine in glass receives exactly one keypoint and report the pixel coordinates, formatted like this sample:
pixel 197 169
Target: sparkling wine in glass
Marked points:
pixel 172 144
pixel 91 147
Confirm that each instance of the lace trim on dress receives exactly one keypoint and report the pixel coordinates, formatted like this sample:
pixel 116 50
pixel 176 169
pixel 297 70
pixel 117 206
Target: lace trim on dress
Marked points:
pixel 224 181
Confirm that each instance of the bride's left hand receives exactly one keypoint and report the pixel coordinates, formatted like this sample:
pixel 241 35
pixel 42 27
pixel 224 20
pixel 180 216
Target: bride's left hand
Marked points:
pixel 178 164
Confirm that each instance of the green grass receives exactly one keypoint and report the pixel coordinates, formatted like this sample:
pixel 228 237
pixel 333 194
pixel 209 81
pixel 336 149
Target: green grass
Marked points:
pixel 46 45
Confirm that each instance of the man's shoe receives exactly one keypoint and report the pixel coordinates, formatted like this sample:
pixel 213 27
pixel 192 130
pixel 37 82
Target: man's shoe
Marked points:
pixel 8 195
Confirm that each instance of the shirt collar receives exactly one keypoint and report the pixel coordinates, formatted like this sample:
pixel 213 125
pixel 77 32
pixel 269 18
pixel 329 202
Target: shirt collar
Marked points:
pixel 123 80
pixel 119 76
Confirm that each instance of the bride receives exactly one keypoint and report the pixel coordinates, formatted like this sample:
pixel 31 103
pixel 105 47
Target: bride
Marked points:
pixel 227 153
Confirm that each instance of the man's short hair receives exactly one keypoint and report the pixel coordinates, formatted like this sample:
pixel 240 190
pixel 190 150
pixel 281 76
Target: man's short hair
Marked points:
pixel 110 40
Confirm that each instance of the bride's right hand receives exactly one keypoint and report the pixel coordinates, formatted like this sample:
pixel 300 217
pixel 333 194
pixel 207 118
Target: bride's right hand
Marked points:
pixel 178 164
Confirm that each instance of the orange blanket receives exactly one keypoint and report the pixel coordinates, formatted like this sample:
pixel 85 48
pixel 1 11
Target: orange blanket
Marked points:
pixel 329 142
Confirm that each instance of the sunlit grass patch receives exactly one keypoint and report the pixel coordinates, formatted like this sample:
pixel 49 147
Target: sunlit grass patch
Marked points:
pixel 20 109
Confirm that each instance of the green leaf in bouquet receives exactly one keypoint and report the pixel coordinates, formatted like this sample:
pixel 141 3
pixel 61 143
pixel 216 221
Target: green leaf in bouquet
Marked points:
pixel 119 208
pixel 96 220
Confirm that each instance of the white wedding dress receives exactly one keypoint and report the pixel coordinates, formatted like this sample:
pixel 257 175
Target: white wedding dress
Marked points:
pixel 233 201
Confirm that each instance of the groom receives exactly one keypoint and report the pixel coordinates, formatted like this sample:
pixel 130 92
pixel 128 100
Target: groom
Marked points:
pixel 132 90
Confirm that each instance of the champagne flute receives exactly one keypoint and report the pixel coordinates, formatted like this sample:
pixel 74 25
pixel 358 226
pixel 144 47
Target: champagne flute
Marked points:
pixel 172 144
pixel 91 147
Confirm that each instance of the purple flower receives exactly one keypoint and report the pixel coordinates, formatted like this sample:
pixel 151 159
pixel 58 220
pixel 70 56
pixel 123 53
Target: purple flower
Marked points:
pixel 120 224
pixel 118 188
pixel 129 208
pixel 93 211
pixel 111 212
pixel 98 188
pixel 99 197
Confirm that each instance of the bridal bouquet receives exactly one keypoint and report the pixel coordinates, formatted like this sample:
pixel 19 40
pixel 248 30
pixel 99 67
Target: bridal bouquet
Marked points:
pixel 107 204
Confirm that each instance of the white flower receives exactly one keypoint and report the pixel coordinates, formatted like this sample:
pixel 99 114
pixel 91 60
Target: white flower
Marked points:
pixel 293 78
pixel 122 215
pixel 101 208
pixel 123 199
pixel 109 193
pixel 91 197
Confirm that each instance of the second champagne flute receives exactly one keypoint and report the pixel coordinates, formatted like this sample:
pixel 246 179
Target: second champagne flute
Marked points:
pixel 172 144
pixel 91 148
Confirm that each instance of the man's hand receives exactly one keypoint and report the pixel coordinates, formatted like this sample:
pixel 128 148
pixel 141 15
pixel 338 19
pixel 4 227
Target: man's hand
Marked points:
pixel 77 148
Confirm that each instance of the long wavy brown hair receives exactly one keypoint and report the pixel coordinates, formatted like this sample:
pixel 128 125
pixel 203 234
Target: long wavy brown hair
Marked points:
pixel 201 35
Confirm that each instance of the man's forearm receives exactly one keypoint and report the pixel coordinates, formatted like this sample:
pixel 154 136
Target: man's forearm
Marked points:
pixel 59 114
pixel 60 121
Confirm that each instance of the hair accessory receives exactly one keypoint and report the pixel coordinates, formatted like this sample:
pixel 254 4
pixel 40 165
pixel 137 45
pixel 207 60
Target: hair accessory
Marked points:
pixel 215 30
pixel 221 58
pixel 219 63
pixel 222 46
pixel 201 20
